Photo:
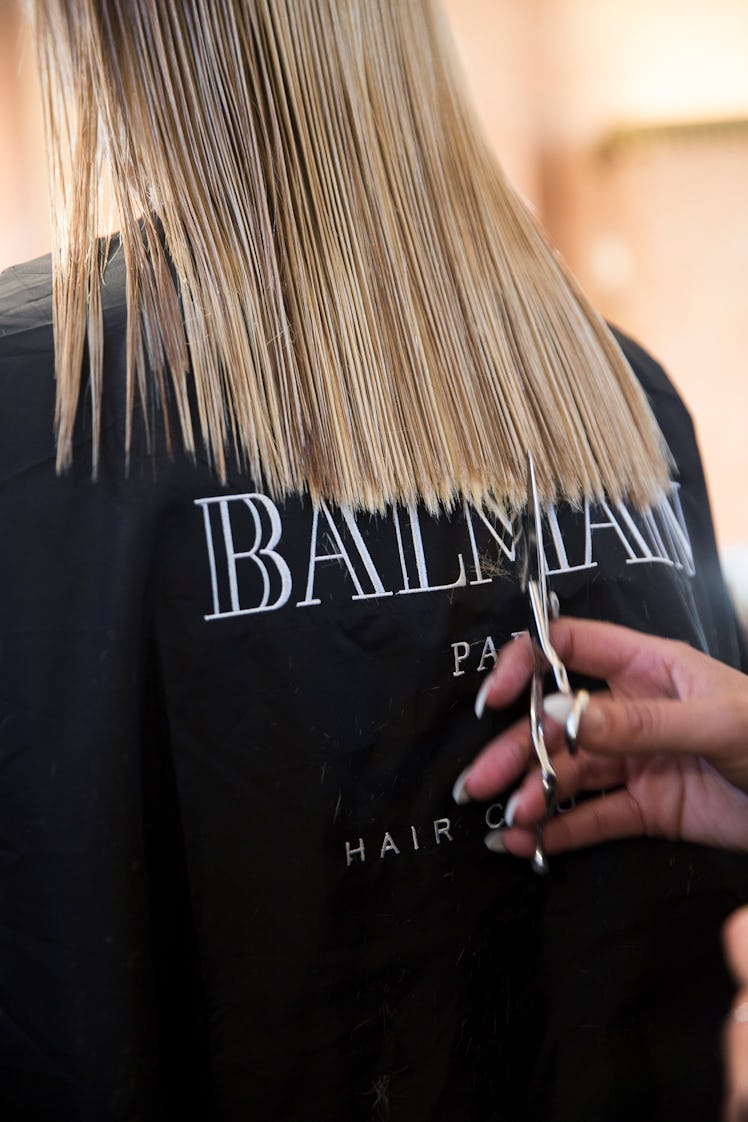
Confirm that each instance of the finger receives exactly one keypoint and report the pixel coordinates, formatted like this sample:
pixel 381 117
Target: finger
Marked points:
pixel 506 758
pixel 509 678
pixel 735 937
pixel 517 842
pixel 610 652
pixel 736 1060
pixel 609 817
pixel 574 775
pixel 714 728
pixel 498 766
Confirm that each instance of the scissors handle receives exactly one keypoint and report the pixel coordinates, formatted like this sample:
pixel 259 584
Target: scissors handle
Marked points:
pixel 548 774
pixel 544 606
pixel 541 635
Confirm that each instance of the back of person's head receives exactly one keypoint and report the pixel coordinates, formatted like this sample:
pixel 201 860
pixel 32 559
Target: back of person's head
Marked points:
pixel 317 237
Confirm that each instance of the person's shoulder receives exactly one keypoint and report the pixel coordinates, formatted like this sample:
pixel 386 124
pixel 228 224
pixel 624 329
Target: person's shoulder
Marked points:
pixel 651 375
pixel 25 299
pixel 26 293
pixel 671 412
pixel 27 358
pixel 27 386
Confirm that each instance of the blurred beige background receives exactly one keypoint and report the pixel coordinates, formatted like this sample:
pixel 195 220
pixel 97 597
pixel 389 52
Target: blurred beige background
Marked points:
pixel 624 123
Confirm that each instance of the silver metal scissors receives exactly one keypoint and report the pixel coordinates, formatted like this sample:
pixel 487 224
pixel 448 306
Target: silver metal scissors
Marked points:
pixel 544 607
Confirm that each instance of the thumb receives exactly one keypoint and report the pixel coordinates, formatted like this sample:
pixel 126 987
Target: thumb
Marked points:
pixel 715 728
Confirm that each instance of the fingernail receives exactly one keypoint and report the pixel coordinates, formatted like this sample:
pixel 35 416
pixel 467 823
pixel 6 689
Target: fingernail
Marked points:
pixel 511 808
pixel 592 720
pixel 459 794
pixel 480 701
pixel 495 841
pixel 559 706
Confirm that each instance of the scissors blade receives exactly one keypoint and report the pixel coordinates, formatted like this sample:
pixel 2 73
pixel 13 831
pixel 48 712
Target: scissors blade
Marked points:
pixel 534 562
pixel 532 528
pixel 544 605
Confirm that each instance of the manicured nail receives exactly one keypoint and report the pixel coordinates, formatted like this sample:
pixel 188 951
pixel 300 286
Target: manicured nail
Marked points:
pixel 559 706
pixel 480 701
pixel 740 1013
pixel 511 808
pixel 495 841
pixel 594 719
pixel 459 794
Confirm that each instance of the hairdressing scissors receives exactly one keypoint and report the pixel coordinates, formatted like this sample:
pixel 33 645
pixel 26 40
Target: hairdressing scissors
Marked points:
pixel 544 607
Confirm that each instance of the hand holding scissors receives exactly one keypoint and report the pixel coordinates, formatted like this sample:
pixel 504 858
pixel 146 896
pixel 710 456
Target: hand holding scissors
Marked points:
pixel 663 753
pixel 543 606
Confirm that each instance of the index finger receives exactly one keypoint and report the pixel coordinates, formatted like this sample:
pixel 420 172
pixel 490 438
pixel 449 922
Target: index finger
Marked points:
pixel 599 650
pixel 514 667
pixel 613 653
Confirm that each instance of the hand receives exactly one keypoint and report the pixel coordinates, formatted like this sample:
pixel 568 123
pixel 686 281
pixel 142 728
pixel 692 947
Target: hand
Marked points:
pixel 668 745
pixel 736 1033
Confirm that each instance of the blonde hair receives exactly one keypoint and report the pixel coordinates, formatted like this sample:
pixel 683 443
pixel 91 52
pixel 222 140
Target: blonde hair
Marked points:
pixel 317 238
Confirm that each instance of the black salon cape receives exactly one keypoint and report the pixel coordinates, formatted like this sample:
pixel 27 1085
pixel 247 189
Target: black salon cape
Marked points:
pixel 233 882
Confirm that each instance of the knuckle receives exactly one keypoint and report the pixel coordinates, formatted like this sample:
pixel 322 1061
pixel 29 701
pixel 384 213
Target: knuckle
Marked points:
pixel 563 636
pixel 740 702
pixel 601 820
pixel 583 773
pixel 641 721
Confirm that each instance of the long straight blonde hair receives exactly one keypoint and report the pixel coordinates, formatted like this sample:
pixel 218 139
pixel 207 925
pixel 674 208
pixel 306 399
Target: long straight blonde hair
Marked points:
pixel 322 257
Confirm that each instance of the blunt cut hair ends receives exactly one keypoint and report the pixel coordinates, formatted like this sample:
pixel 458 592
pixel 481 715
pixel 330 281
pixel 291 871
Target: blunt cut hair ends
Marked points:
pixel 318 239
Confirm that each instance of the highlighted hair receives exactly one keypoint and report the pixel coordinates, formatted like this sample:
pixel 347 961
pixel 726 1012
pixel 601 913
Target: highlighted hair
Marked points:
pixel 318 240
